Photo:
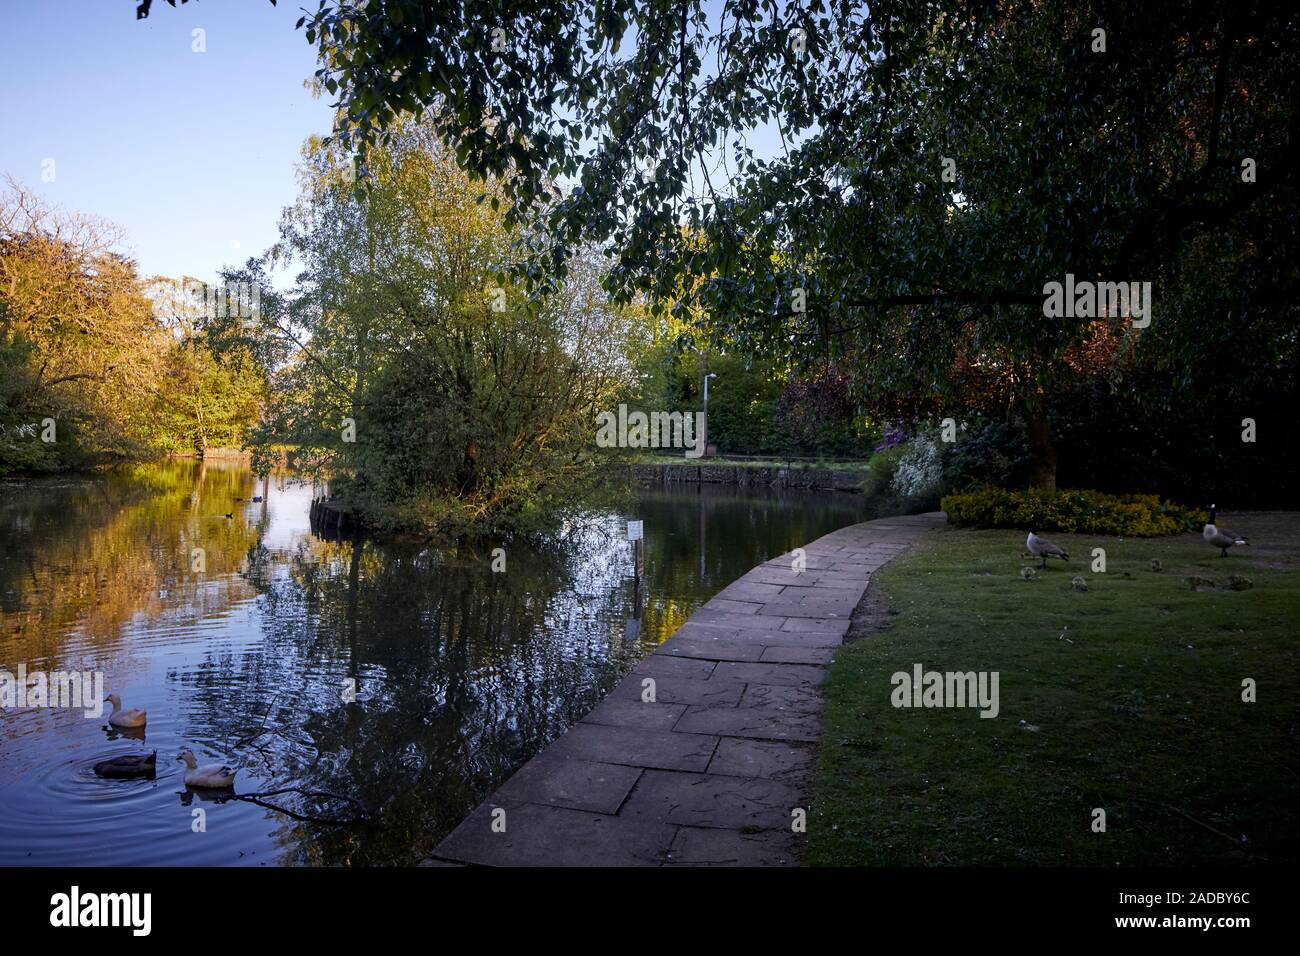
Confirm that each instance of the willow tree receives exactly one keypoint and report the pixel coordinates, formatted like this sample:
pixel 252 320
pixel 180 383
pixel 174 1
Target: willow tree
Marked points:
pixel 940 163
pixel 430 389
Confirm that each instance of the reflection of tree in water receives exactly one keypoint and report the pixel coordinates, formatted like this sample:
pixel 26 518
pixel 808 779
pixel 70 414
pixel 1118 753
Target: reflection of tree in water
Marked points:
pixel 695 549
pixel 93 553
pixel 461 676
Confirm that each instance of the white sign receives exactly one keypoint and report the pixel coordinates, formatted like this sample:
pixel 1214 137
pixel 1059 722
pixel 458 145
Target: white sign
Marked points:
pixel 635 530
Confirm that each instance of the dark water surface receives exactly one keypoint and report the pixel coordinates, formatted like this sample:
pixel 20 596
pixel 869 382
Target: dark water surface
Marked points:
pixel 461 674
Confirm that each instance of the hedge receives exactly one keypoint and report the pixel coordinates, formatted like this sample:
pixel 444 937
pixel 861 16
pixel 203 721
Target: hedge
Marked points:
pixel 1080 512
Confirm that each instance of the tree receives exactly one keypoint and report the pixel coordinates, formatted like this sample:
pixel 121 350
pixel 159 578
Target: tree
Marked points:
pixel 78 343
pixel 430 391
pixel 941 164
pixel 96 365
pixel 212 398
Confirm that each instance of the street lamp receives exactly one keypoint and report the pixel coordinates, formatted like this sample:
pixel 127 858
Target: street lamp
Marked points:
pixel 706 411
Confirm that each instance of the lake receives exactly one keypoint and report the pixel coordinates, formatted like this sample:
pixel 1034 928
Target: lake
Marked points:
pixel 410 678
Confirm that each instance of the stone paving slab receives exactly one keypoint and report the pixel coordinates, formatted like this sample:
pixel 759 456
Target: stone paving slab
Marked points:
pixel 802 700
pixel 665 665
pixel 797 655
pixel 716 649
pixel 759 723
pixel 575 784
pixel 702 846
pixel 781 760
pixel 752 621
pixel 712 800
pixel 734 607
pixel 816 625
pixel 553 836
pixel 822 639
pixel 682 690
pixel 771 673
pixel 707 770
pixel 621 712
pixel 743 590
pixel 631 746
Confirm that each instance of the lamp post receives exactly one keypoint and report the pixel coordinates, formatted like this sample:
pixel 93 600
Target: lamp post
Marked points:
pixel 706 410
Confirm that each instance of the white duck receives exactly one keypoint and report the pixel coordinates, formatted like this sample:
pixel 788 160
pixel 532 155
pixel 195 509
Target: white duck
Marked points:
pixel 212 776
pixel 1221 538
pixel 125 718
pixel 1042 548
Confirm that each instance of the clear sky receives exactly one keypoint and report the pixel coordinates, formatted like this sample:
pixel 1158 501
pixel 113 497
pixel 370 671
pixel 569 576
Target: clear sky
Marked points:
pixel 193 154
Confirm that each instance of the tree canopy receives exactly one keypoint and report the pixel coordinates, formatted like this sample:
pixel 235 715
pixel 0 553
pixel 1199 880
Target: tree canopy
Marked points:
pixel 95 365
pixel 433 394
pixel 939 166
pixel 940 163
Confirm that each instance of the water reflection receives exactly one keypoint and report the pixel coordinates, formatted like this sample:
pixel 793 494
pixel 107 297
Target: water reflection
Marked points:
pixel 410 678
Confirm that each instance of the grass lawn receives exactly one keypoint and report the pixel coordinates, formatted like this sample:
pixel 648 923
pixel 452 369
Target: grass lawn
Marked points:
pixel 1134 688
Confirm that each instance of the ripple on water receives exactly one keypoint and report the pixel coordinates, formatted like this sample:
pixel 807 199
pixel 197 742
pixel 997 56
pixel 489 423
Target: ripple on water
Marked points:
pixel 120 817
pixel 458 676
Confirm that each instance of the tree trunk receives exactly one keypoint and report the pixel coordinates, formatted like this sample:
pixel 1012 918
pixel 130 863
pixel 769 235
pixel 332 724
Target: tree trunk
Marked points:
pixel 1038 434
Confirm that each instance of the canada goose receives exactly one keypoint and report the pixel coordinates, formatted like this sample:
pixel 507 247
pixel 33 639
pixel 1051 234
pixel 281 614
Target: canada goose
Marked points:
pixel 1220 538
pixel 121 768
pixel 211 776
pixel 228 515
pixel 1042 548
pixel 125 718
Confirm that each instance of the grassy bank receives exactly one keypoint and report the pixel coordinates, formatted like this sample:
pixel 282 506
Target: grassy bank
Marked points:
pixel 1126 697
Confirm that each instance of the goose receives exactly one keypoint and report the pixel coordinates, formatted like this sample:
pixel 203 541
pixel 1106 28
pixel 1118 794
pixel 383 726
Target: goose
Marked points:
pixel 211 776
pixel 1042 548
pixel 121 768
pixel 1220 538
pixel 125 718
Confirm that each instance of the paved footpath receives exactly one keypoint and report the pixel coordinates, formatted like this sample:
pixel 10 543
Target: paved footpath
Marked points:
pixel 711 770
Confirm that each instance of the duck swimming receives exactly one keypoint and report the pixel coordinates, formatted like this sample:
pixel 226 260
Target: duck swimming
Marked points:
pixel 125 718
pixel 127 767
pixel 210 776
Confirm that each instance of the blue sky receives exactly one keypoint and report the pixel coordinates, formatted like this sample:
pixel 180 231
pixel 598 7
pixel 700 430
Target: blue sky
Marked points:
pixel 192 154
pixel 189 152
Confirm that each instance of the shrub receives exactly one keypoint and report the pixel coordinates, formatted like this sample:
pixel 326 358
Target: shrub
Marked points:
pixel 895 433
pixel 880 471
pixel 987 453
pixel 1080 512
pixel 816 415
pixel 920 471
